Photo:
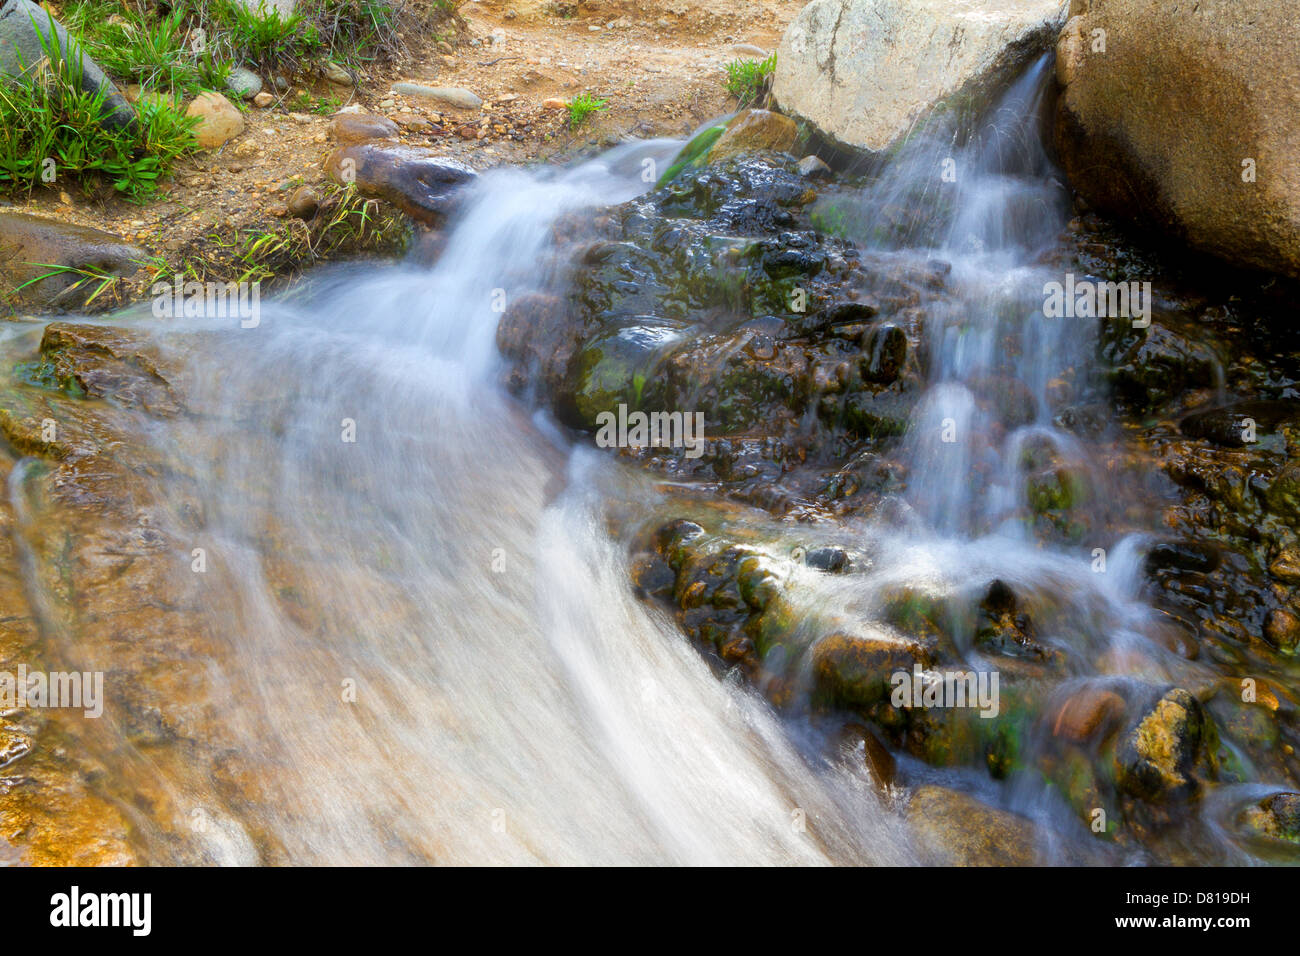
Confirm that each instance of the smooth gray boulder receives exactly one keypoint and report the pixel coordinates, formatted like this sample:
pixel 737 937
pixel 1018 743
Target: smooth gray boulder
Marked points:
pixel 866 73
pixel 23 24
pixel 1186 119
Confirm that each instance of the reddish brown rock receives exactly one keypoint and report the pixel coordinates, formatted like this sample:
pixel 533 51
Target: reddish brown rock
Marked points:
pixel 350 128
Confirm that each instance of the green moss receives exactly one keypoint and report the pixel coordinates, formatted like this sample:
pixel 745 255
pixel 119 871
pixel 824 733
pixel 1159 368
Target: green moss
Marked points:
pixel 692 153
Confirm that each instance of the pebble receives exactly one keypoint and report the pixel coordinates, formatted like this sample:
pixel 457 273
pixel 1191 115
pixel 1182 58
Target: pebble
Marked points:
pixel 304 202
pixel 263 100
pixel 449 95
pixel 812 167
pixel 244 83
pixel 333 73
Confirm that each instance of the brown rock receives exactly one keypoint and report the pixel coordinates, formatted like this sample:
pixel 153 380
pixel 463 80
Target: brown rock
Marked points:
pixel 957 830
pixel 263 100
pixel 219 120
pixel 1282 629
pixel 1166 754
pixel 755 130
pixel 1286 567
pixel 856 670
pixel 1091 710
pixel 1228 183
pixel 861 743
pixel 304 203
pixel 110 362
pixel 362 128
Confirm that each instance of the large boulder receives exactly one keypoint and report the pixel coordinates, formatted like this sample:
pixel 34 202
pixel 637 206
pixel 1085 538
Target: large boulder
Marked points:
pixel 866 72
pixel 31 247
pixel 24 27
pixel 1184 117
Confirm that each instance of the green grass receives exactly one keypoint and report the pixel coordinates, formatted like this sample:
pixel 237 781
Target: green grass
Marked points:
pixel 346 224
pixel 84 280
pixel 582 107
pixel 321 105
pixel 49 124
pixel 747 80
pixel 191 45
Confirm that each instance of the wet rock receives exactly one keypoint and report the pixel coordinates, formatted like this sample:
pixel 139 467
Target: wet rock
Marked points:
pixel 24 25
pixel 1282 629
pixel 14 744
pixel 884 351
pixel 684 301
pixel 30 246
pixel 1164 756
pixel 102 361
pixel 755 130
pixel 350 128
pixel 854 670
pixel 1239 425
pixel 813 167
pixel 1151 366
pixel 1282 493
pixel 957 830
pixel 1003 627
pixel 537 338
pixel 864 71
pixel 1126 149
pixel 1091 712
pixel 859 743
pixel 450 96
pixel 1286 566
pixel 1276 817
pixel 1182 556
pixel 219 120
pixel 831 560
pixel 420 183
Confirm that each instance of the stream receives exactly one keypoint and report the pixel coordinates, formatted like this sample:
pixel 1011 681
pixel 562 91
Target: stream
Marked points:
pixel 419 641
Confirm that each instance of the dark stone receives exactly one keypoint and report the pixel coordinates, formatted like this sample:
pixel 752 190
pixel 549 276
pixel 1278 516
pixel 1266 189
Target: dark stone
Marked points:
pixel 425 186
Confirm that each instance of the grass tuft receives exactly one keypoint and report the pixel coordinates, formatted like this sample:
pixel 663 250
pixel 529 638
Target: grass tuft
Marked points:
pixel 51 128
pixel 582 107
pixel 749 80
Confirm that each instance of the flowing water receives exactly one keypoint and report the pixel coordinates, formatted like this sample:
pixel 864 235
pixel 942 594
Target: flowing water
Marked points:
pixel 425 645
